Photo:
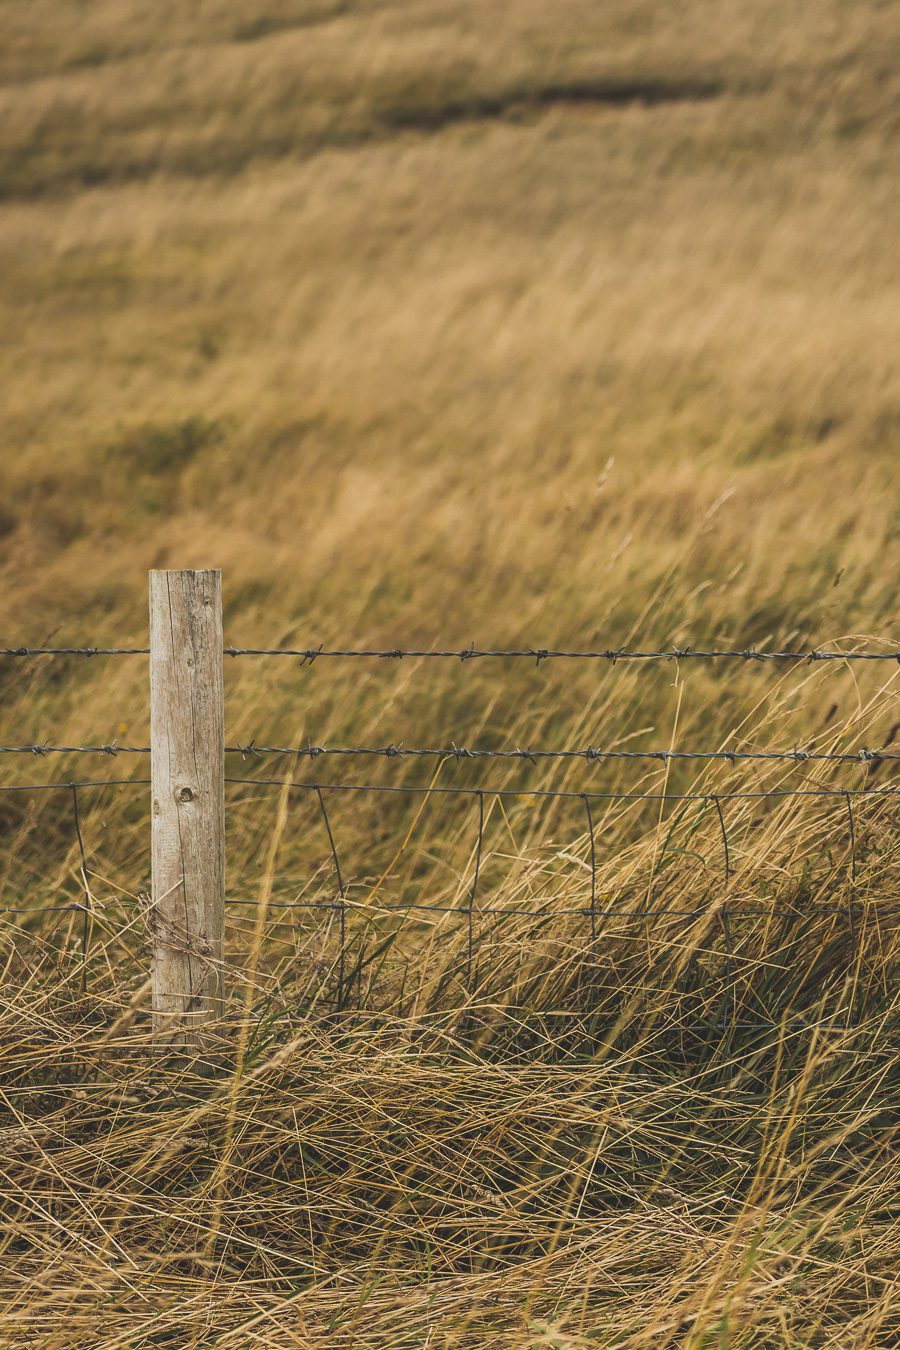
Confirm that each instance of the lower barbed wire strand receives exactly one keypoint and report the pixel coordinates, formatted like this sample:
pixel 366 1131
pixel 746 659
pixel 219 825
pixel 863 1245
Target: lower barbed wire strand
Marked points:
pixel 537 654
pixel 589 754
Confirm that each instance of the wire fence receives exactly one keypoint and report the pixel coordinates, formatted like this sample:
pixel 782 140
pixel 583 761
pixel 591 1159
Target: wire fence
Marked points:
pixel 845 795
pixel 590 754
pixel 597 909
pixel 307 655
pixel 597 912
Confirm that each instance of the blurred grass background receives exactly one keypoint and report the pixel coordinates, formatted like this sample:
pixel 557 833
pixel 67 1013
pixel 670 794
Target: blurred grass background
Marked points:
pixel 432 322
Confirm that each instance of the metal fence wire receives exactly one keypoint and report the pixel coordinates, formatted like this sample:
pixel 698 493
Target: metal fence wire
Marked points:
pixel 845 798
pixel 307 655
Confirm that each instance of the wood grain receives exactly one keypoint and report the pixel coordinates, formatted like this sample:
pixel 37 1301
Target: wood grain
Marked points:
pixel 188 806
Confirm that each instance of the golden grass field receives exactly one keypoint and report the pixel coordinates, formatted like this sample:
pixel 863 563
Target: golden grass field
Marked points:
pixel 434 322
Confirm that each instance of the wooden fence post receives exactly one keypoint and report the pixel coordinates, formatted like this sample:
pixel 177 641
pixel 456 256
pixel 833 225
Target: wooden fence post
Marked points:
pixel 188 802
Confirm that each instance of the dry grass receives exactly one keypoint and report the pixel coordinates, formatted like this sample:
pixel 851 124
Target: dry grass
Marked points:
pixel 442 321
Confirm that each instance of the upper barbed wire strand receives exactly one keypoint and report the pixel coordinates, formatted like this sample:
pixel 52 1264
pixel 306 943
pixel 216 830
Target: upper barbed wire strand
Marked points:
pixel 307 655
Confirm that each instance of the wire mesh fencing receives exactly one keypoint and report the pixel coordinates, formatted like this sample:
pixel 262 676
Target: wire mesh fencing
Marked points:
pixel 848 887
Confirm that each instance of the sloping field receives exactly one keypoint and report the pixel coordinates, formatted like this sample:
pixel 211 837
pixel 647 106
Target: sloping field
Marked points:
pixel 441 322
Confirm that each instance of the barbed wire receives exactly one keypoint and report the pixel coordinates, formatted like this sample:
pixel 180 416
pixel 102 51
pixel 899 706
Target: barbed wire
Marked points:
pixel 539 654
pixel 444 791
pixel 42 748
pixel 29 652
pixel 717 906
pixel 590 754
pixel 307 655
pixel 68 784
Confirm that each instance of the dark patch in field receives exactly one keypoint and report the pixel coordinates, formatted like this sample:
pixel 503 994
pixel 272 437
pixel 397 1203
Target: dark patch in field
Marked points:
pixel 61 162
pixel 264 25
pixel 162 448
pixel 422 115
pixel 786 435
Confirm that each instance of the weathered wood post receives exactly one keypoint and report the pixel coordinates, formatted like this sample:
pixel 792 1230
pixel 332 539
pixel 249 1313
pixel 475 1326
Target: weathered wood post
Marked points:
pixel 188 802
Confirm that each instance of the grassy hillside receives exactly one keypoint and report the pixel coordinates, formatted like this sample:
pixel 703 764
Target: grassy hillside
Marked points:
pixel 439 322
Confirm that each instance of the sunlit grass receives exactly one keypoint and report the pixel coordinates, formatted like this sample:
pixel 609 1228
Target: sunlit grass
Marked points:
pixel 438 323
